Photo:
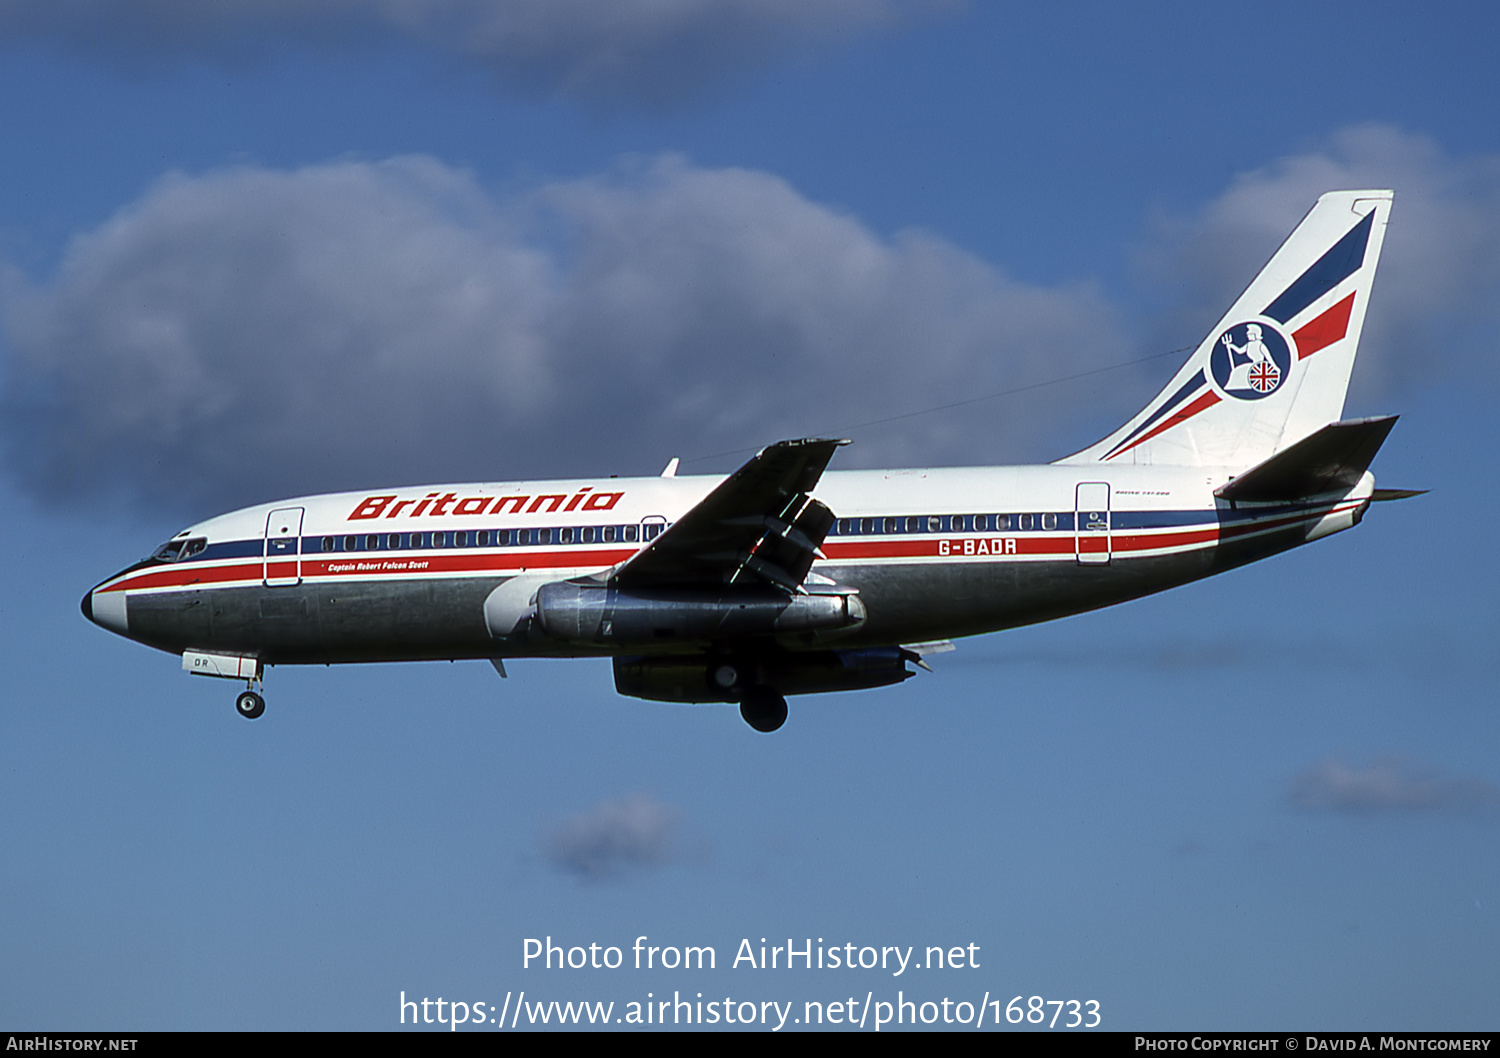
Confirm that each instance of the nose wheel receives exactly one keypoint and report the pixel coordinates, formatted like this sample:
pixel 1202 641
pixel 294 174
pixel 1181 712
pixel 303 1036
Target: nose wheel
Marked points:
pixel 249 704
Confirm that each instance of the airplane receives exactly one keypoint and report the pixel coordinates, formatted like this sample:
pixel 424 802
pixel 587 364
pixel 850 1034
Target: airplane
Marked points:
pixel 785 578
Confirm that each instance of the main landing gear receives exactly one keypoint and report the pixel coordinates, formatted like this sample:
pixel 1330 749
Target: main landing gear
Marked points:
pixel 763 709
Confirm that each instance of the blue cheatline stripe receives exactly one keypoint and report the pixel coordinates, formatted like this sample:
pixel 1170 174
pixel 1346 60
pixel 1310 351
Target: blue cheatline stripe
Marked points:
pixel 1055 521
pixel 1193 385
pixel 1335 266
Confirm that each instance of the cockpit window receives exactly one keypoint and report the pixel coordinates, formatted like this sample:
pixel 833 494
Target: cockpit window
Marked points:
pixel 177 550
pixel 169 551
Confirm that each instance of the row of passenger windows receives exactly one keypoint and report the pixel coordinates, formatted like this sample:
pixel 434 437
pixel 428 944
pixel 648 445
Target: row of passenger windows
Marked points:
pixel 177 550
pixel 630 534
pixel 945 523
pixel 587 534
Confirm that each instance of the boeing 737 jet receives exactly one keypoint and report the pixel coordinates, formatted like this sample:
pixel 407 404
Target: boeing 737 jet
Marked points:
pixel 786 578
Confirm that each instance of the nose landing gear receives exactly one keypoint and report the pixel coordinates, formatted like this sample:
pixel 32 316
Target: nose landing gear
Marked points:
pixel 249 704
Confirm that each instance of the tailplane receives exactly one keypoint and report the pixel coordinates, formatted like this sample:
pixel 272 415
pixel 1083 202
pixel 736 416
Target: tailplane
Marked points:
pixel 1276 368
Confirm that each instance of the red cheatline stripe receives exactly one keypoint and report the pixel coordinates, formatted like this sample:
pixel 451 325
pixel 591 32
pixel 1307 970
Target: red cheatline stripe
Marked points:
pixel 374 564
pixel 188 576
pixel 1324 330
pixel 1208 400
pixel 1160 540
pixel 1060 543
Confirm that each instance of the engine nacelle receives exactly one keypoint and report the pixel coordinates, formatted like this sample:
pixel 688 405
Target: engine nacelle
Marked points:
pixel 704 678
pixel 600 614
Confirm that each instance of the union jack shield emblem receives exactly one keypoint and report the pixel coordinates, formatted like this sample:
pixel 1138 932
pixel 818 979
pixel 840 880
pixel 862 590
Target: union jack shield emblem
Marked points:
pixel 1264 377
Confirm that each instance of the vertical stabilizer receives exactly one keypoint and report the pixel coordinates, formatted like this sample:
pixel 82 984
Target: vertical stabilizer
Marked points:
pixel 1277 366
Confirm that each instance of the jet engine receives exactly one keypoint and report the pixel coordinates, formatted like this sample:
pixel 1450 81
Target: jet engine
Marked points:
pixel 603 615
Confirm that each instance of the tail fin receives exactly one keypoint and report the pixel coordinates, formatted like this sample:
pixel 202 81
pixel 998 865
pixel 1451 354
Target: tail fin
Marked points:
pixel 1277 366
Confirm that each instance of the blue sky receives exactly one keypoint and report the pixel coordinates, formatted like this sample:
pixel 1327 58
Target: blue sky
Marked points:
pixel 280 248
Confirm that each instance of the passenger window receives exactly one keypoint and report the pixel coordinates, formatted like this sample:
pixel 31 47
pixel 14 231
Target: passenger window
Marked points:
pixel 565 535
pixel 631 534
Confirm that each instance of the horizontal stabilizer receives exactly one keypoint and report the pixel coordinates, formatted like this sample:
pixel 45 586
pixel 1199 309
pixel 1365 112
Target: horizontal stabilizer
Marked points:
pixel 1332 459
pixel 1384 495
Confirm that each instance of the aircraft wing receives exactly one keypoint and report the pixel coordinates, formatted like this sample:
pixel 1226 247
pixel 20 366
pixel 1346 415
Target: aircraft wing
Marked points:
pixel 760 526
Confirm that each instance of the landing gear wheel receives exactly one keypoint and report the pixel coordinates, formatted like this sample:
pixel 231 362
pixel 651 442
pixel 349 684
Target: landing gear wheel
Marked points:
pixel 250 705
pixel 763 709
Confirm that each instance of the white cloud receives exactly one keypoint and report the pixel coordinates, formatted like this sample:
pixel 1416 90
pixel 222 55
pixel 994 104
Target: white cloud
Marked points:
pixel 648 50
pixel 1388 785
pixel 616 837
pixel 252 333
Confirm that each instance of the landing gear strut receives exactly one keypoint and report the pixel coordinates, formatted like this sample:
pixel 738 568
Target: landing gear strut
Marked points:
pixel 763 709
pixel 250 704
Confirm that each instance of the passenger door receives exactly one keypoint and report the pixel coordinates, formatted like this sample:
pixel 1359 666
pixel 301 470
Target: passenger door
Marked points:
pixel 283 553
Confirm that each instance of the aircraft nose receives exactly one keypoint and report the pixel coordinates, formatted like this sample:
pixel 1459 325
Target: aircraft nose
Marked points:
pixel 106 609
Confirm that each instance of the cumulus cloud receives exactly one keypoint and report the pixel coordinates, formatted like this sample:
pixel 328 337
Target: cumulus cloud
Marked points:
pixel 1388 785
pixel 1436 309
pixel 615 838
pixel 654 51
pixel 254 333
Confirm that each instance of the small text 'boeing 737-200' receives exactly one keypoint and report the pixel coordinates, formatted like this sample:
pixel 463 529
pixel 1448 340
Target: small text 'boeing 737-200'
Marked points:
pixel 785 578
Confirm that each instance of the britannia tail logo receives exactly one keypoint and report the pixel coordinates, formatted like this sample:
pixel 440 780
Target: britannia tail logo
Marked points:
pixel 1251 360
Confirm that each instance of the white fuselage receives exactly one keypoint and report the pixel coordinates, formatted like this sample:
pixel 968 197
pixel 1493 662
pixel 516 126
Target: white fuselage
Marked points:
pixel 933 554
